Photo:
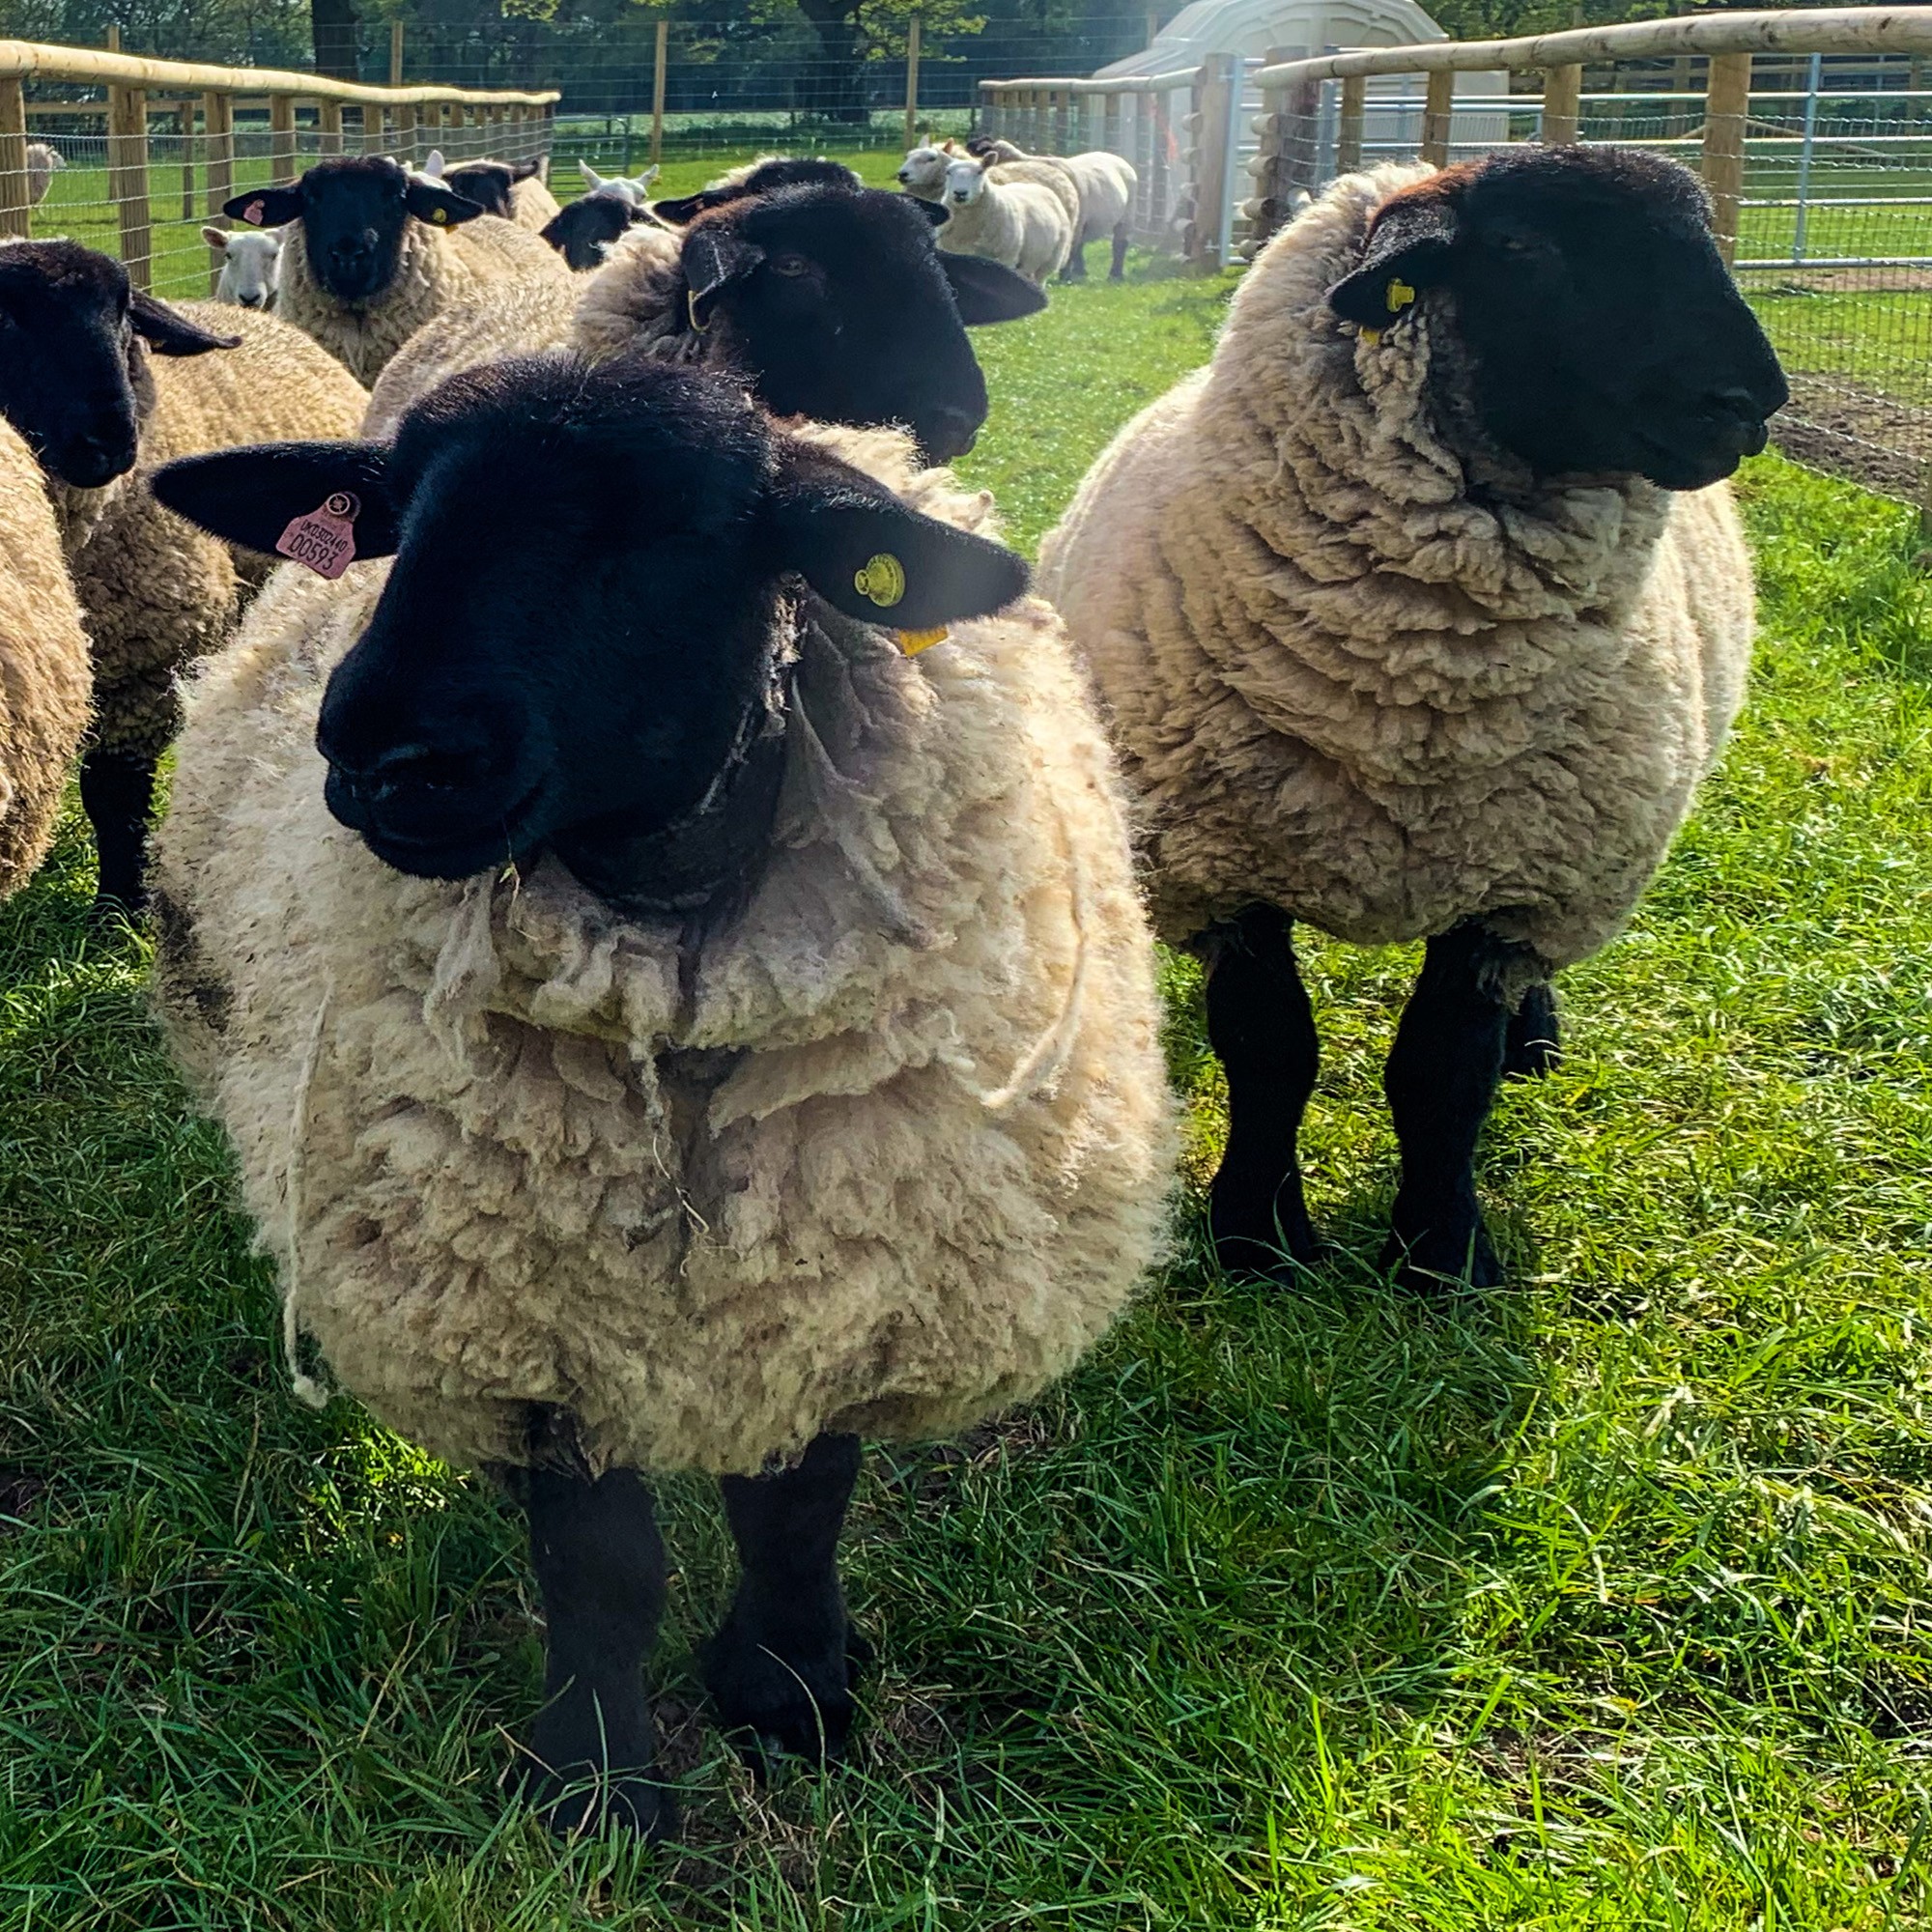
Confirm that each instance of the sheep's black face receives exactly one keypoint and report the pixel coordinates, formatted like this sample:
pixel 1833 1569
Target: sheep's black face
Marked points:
pixel 1602 332
pixel 352 214
pixel 839 307
pixel 582 231
pixel 582 678
pixel 74 374
pixel 488 184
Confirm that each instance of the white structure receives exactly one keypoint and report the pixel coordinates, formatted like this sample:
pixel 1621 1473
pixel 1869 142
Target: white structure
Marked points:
pixel 1256 27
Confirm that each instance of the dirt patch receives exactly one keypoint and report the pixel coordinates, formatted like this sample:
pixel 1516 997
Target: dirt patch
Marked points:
pixel 1866 437
pixel 1838 282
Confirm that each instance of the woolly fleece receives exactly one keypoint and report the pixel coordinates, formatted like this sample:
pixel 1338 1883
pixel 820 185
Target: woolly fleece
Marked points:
pixel 718 1188
pixel 1025 219
pixel 44 666
pixel 158 593
pixel 1381 684
pixel 533 206
pixel 438 268
pixel 1103 183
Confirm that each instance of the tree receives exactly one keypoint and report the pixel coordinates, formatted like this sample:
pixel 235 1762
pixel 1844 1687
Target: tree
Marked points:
pixel 337 44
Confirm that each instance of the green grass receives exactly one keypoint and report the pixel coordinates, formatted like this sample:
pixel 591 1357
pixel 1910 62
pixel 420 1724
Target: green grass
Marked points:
pixel 1598 1603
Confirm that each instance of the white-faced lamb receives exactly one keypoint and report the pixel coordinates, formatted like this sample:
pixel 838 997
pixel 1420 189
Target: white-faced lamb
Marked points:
pixel 1026 224
pixel 1420 613
pixel 1105 183
pixel 634 189
pixel 252 266
pixel 829 299
pixel 371 252
pixel 103 383
pixel 44 163
pixel 693 1032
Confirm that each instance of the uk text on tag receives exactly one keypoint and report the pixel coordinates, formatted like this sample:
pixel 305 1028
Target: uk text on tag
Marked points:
pixel 322 540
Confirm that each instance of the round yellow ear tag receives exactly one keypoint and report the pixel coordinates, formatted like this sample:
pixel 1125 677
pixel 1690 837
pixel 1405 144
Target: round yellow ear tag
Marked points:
pixel 882 580
pixel 438 215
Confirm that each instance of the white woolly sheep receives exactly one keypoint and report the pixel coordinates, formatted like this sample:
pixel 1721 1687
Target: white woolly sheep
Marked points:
pixel 252 266
pixel 742 1039
pixel 1026 224
pixel 634 189
pixel 1403 631
pixel 370 253
pixel 1105 183
pixel 42 164
pixel 44 672
pixel 105 382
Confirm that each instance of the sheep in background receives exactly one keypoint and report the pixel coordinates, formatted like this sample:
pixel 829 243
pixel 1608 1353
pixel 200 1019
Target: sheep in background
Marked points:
pixel 634 189
pixel 923 172
pixel 763 175
pixel 252 266
pixel 513 190
pixel 1420 613
pixel 44 672
pixel 103 383
pixel 1105 183
pixel 831 299
pixel 800 1076
pixel 371 253
pixel 42 164
pixel 585 231
pixel 1025 224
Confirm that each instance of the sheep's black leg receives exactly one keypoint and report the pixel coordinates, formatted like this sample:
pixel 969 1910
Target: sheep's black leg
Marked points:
pixel 780 1669
pixel 1534 1041
pixel 601 1565
pixel 1441 1081
pixel 1262 1027
pixel 1075 269
pixel 117 792
pixel 1118 273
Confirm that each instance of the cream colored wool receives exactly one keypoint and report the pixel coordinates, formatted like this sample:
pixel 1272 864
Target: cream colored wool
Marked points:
pixel 1025 219
pixel 884 1150
pixel 44 666
pixel 156 592
pixel 438 268
pixel 1345 681
pixel 1103 183
pixel 533 206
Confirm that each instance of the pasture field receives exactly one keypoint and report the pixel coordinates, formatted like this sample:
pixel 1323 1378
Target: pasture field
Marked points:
pixel 1598 1602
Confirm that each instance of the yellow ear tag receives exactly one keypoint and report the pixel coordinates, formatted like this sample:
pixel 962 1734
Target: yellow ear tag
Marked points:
pixel 440 216
pixel 882 580
pixel 1372 337
pixel 1399 294
pixel 912 642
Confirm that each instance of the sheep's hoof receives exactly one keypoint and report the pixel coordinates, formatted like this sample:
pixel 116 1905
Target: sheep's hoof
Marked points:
pixel 1453 1252
pixel 115 912
pixel 769 1701
pixel 1533 1044
pixel 1257 1229
pixel 582 1800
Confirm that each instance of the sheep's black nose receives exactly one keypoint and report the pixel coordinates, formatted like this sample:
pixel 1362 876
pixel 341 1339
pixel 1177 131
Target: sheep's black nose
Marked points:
pixel 1733 404
pixel 95 457
pixel 951 434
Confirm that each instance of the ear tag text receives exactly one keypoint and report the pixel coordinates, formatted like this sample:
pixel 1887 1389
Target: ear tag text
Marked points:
pixel 912 642
pixel 882 578
pixel 322 540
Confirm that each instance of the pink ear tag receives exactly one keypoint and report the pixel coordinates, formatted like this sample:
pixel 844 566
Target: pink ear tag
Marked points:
pixel 253 211
pixel 325 539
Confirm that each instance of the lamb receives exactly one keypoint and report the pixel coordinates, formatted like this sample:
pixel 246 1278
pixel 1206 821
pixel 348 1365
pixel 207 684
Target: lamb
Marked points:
pixel 252 266
pixel 42 164
pixel 634 189
pixel 103 383
pixel 1026 224
pixel 44 666
pixel 765 175
pixel 831 298
pixel 371 253
pixel 1420 613
pixel 738 1038
pixel 1105 183
pixel 584 231
pixel 513 190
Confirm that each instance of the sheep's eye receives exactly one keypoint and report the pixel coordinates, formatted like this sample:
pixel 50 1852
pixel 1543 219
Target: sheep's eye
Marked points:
pixel 790 265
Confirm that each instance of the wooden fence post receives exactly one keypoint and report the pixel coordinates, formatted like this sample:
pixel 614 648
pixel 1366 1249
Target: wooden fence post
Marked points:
pixel 281 137
pixel 912 79
pixel 1562 105
pixel 1212 104
pixel 660 61
pixel 1349 124
pixel 406 134
pixel 374 140
pixel 184 121
pixel 329 121
pixel 1437 106
pixel 16 217
pixel 395 53
pixel 1726 102
pixel 128 179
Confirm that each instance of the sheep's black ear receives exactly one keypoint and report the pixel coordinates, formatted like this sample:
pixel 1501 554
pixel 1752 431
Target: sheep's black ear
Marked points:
pixel 869 555
pixel 935 211
pixel 168 331
pixel 439 207
pixel 984 291
pixel 1409 248
pixel 266 207
pixel 713 260
pixel 681 208
pixel 525 170
pixel 251 495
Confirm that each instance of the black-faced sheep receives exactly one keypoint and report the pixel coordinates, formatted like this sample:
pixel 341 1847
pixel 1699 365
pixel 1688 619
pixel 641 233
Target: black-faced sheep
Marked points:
pixel 103 383
pixel 1420 613
pixel 371 253
pixel 831 299
pixel 512 190
pixel 725 1033
pixel 584 231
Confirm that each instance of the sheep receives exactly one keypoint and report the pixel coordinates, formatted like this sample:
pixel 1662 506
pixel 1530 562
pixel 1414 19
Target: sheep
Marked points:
pixel 738 1038
pixel 923 172
pixel 1105 183
pixel 1420 613
pixel 513 190
pixel 370 255
pixel 44 666
pixel 42 164
pixel 1026 224
pixel 250 266
pixel 584 231
pixel 831 298
pixel 765 175
pixel 103 383
pixel 634 189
